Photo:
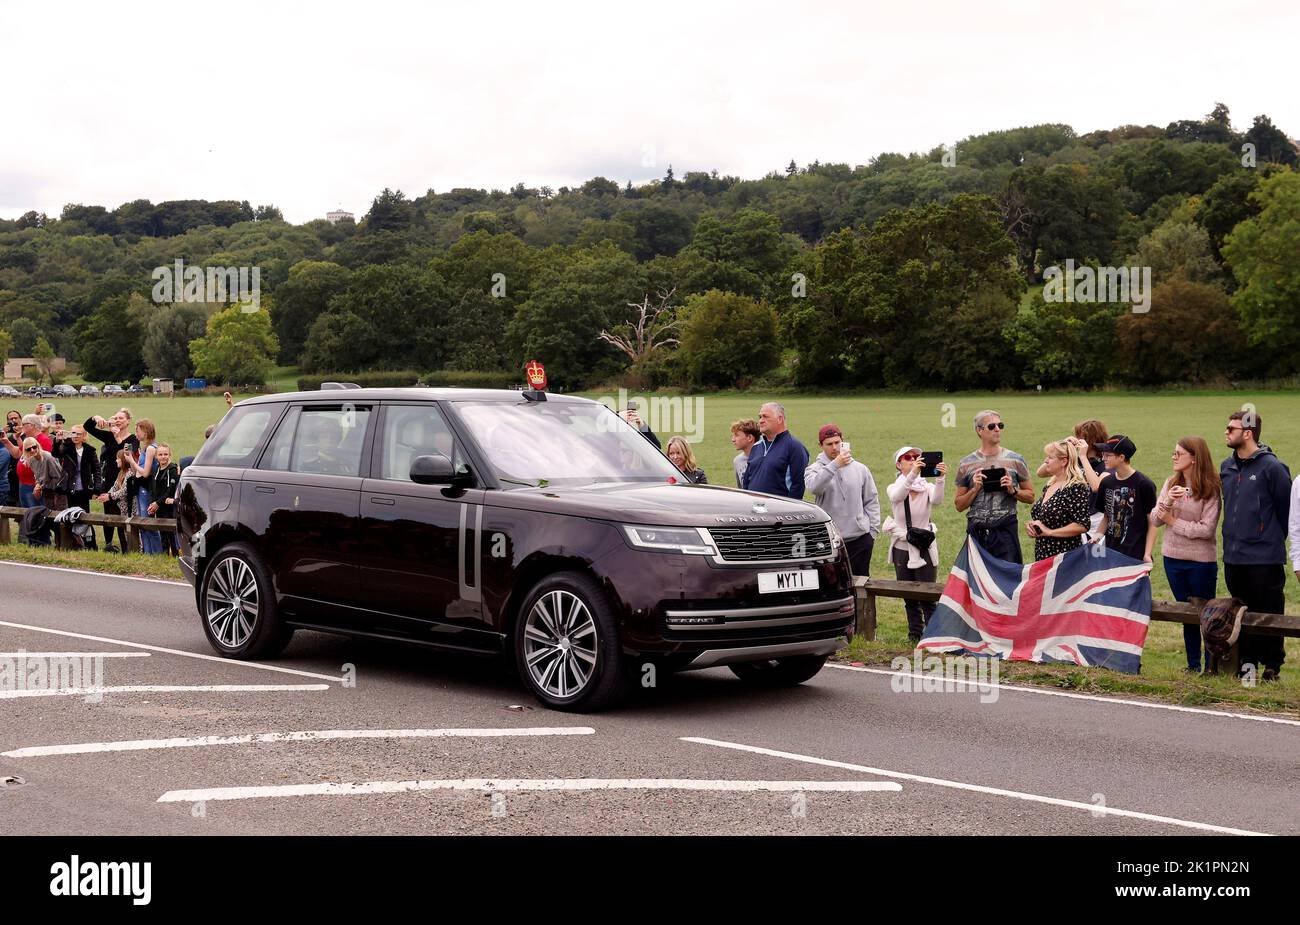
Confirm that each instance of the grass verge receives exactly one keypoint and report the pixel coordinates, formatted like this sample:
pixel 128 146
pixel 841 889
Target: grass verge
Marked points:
pixel 113 563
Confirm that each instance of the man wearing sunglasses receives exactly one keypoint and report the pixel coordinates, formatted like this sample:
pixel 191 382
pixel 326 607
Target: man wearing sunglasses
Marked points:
pixel 1256 509
pixel 991 505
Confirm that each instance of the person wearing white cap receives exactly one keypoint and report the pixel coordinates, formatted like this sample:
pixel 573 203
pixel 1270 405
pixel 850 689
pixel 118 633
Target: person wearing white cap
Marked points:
pixel 913 544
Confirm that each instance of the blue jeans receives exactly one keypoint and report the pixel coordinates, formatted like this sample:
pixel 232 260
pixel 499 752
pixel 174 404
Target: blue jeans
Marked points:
pixel 25 497
pixel 150 541
pixel 1191 579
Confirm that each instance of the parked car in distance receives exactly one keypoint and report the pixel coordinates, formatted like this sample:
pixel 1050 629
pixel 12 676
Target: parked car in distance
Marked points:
pixel 65 391
pixel 548 530
pixel 8 391
pixel 89 390
pixel 139 389
pixel 112 389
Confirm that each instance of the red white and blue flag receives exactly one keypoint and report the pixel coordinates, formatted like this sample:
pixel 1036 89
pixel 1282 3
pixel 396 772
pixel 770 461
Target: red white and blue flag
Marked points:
pixel 1089 606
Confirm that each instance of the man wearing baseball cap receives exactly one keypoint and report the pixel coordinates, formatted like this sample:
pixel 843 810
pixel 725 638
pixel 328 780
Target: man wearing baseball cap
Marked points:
pixel 844 489
pixel 1126 499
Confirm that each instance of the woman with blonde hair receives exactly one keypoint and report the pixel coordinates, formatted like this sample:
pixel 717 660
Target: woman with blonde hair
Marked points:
pixel 679 453
pixel 1061 515
pixel 1189 505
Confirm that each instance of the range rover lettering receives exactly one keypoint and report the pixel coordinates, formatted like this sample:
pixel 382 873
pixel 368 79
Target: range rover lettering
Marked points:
pixel 540 527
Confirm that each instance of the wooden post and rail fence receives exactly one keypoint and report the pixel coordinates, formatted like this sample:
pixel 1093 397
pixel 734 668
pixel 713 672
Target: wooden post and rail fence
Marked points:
pixel 866 590
pixel 11 520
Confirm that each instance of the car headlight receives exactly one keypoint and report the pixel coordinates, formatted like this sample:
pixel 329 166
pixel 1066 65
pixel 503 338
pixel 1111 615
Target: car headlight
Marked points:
pixel 692 541
pixel 836 540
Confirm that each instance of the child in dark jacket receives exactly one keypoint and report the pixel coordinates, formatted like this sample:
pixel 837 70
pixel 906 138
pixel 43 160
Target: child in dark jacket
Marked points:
pixel 162 492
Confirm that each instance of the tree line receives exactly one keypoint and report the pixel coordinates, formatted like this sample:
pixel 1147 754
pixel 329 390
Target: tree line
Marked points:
pixel 920 270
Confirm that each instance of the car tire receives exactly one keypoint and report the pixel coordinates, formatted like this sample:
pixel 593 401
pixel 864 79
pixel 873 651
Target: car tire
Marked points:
pixel 237 606
pixel 779 672
pixel 567 647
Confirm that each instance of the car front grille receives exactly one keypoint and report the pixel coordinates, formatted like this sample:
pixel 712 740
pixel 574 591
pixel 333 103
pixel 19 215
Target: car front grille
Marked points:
pixel 778 542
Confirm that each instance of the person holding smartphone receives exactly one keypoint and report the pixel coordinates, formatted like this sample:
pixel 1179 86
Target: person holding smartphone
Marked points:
pixel 990 504
pixel 632 415
pixel 913 558
pixel 1061 515
pixel 844 488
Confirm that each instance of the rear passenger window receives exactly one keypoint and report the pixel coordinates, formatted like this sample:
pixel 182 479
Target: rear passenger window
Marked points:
pixel 238 435
pixel 329 441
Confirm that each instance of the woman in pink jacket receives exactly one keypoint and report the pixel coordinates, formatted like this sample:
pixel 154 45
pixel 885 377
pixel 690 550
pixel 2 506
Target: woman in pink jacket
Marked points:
pixel 1189 506
pixel 910 493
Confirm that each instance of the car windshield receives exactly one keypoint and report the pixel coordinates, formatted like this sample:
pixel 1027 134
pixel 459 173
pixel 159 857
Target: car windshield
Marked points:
pixel 534 444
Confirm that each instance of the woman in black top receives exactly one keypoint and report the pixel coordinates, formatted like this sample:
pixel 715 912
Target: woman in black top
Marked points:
pixel 679 451
pixel 1060 516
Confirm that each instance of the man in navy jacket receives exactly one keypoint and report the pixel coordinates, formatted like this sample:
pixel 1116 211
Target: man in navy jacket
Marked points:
pixel 1256 507
pixel 777 462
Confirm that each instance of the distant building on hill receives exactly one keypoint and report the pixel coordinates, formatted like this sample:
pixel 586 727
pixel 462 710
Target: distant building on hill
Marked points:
pixel 16 368
pixel 337 216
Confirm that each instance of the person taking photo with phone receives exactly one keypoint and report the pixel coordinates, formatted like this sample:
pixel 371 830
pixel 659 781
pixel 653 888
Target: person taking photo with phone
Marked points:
pixel 844 488
pixel 913 542
pixel 990 482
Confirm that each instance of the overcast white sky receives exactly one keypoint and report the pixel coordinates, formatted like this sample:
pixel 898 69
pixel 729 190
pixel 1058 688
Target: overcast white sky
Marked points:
pixel 312 106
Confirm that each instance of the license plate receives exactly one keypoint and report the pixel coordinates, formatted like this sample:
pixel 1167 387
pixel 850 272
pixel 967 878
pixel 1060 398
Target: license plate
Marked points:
pixel 803 579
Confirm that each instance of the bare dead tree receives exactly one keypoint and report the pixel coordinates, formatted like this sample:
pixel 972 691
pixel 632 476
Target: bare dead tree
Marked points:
pixel 648 329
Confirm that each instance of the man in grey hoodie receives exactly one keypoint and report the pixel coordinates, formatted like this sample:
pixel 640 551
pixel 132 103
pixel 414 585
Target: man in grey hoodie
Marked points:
pixel 1256 509
pixel 844 489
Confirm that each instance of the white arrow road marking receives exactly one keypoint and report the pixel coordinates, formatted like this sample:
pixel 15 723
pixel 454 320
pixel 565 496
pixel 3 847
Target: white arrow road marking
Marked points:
pixel 319 735
pixel 1094 808
pixel 166 651
pixel 494 785
pixel 160 689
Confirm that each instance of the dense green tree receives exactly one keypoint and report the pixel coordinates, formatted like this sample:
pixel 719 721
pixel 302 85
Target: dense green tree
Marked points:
pixel 1271 143
pixel 300 300
pixel 25 334
pixel 658 229
pixel 239 348
pixel 1262 254
pixel 727 339
pixel 1191 334
pixel 109 343
pixel 167 336
pixel 1177 247
pixel 390 211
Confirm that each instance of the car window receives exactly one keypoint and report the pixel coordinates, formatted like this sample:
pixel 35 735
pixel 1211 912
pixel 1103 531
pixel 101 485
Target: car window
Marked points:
pixel 235 441
pixel 277 451
pixel 329 441
pixel 410 431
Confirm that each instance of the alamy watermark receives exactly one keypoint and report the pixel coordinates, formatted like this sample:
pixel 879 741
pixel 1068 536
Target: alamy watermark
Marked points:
pixel 1105 284
pixel 37 672
pixel 933 674
pixel 181 283
pixel 662 414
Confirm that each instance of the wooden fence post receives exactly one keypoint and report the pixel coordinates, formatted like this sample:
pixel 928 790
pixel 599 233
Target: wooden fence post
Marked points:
pixel 865 600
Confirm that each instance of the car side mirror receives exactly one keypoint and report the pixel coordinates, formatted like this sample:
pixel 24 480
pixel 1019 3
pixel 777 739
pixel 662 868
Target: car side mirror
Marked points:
pixel 432 470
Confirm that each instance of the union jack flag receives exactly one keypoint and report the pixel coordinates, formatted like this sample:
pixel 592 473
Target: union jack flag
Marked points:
pixel 1089 606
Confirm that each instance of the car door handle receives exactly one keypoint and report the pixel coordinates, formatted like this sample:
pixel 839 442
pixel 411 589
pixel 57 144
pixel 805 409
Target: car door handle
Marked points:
pixel 381 500
pixel 266 488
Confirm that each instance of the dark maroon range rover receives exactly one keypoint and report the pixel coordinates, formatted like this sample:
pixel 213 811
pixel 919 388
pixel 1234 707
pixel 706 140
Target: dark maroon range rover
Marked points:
pixel 541 526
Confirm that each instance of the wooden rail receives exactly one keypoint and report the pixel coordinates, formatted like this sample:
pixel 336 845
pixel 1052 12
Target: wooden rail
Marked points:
pixel 866 590
pixel 132 525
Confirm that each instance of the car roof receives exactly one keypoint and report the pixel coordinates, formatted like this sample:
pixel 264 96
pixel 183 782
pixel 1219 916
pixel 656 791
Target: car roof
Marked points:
pixel 335 396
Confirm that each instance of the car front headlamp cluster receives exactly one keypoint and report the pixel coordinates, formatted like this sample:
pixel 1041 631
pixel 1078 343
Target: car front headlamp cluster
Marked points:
pixel 691 541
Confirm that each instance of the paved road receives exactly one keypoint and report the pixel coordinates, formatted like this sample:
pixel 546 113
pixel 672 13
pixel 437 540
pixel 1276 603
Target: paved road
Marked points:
pixel 886 762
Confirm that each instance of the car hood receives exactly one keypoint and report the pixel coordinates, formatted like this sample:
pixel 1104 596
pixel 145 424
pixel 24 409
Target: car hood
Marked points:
pixel 682 505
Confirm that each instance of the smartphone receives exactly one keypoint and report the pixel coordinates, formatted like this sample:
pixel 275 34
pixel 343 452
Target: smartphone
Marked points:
pixel 633 405
pixel 930 459
pixel 993 478
pixel 846 447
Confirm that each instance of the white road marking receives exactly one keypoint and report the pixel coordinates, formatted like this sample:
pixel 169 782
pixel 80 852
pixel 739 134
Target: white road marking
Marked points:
pixel 1098 697
pixel 494 785
pixel 1094 808
pixel 82 571
pixel 74 654
pixel 165 650
pixel 160 689
pixel 136 745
